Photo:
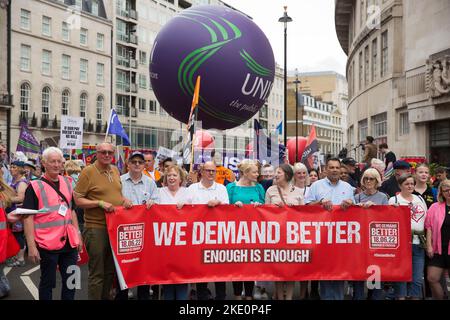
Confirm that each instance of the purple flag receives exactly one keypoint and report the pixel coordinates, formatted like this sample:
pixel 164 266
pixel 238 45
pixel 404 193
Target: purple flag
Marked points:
pixel 27 142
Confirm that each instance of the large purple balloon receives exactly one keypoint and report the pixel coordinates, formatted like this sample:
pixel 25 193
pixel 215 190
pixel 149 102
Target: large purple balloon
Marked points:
pixel 230 53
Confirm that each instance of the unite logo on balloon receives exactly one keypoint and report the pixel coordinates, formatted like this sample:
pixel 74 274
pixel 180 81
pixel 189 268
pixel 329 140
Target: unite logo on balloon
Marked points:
pixel 230 53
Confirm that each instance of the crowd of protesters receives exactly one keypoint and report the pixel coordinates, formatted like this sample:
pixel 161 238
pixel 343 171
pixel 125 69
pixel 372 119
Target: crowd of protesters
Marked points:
pixel 79 197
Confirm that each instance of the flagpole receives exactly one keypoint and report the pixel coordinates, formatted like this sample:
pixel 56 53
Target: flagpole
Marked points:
pixel 109 122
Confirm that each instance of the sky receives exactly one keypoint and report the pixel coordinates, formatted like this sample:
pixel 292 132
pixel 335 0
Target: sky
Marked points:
pixel 312 43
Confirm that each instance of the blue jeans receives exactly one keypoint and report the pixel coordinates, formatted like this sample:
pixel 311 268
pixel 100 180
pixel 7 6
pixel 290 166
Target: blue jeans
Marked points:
pixel 331 290
pixel 413 289
pixel 175 291
pixel 49 262
pixel 359 293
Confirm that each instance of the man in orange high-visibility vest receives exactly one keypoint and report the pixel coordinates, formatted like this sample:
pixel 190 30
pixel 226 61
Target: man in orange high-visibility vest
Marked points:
pixel 53 237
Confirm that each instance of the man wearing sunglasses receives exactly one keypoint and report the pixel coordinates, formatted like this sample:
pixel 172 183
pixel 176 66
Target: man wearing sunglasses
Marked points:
pixel 140 189
pixel 98 191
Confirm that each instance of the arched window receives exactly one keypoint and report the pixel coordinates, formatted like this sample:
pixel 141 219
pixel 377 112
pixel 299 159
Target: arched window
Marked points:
pixel 83 104
pixel 65 103
pixel 100 102
pixel 25 92
pixel 46 103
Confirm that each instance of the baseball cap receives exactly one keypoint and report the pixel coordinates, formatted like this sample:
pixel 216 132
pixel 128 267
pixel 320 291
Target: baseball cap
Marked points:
pixel 136 154
pixel 349 161
pixel 401 164
pixel 30 164
pixel 18 163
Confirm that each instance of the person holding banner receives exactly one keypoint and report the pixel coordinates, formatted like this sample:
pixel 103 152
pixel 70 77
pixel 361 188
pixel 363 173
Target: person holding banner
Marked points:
pixel 282 193
pixel 329 192
pixel 437 225
pixel 174 193
pixel 418 209
pixel 140 189
pixel 53 238
pixel 209 192
pixel 370 181
pixel 98 191
pixel 301 177
pixel 245 191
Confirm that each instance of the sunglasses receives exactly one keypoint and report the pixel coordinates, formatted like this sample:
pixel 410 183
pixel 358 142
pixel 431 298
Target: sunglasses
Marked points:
pixel 104 152
pixel 369 179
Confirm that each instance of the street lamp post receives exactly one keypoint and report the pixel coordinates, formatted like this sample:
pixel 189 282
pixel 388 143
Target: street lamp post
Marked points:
pixel 296 81
pixel 285 19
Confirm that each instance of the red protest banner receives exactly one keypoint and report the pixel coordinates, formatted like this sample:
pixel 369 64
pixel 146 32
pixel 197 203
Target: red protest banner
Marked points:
pixel 199 244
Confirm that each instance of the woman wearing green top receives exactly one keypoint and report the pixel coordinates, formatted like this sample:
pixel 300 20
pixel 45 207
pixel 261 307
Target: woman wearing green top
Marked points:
pixel 245 191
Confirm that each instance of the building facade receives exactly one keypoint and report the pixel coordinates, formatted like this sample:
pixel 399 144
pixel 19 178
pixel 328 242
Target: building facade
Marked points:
pixel 61 62
pixel 5 85
pixel 398 74
pixel 326 118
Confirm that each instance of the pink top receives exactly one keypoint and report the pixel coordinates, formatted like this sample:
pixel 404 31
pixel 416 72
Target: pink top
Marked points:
pixel 433 221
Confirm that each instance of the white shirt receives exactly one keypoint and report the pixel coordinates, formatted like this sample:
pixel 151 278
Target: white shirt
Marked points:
pixel 166 197
pixel 198 194
pixel 418 213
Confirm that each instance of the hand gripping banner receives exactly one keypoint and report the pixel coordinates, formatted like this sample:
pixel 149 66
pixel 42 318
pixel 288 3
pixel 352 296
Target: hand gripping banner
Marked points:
pixel 165 245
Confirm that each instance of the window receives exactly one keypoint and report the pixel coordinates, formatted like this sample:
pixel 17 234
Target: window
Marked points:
pixel 83 70
pixel 100 103
pixel 24 99
pixel 65 102
pixel 152 106
pixel 366 66
pixel 46 67
pixel 360 71
pixel 143 57
pixel 123 81
pixel 25 17
pixel 142 81
pixel 46 26
pixel 79 4
pixel 46 103
pixel 100 74
pixel 25 58
pixel 374 59
pixel 384 53
pixel 65 31
pixel 83 37
pixel 363 130
pixel 379 125
pixel 142 105
pixel 404 123
pixel 100 41
pixel 65 67
pixel 83 104
pixel 94 7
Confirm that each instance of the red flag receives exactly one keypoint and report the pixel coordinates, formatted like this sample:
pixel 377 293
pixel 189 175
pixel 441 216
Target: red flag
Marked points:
pixel 312 146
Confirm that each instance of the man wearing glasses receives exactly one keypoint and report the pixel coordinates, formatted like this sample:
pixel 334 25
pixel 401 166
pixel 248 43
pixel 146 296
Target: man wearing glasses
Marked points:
pixel 209 192
pixel 99 190
pixel 140 189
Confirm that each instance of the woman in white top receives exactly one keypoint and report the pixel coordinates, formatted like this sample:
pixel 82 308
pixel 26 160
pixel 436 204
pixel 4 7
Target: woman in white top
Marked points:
pixel 418 209
pixel 301 178
pixel 284 193
pixel 174 193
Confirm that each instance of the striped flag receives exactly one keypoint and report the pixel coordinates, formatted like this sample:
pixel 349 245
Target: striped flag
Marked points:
pixel 27 142
pixel 188 152
pixel 312 146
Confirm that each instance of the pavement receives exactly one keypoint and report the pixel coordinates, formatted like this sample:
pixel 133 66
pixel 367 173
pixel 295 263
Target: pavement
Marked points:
pixel 24 283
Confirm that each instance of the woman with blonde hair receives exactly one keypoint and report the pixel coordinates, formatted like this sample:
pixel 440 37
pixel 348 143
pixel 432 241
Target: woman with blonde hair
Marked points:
pixel 370 182
pixel 301 177
pixel 437 225
pixel 423 189
pixel 246 190
pixel 6 193
pixel 173 192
